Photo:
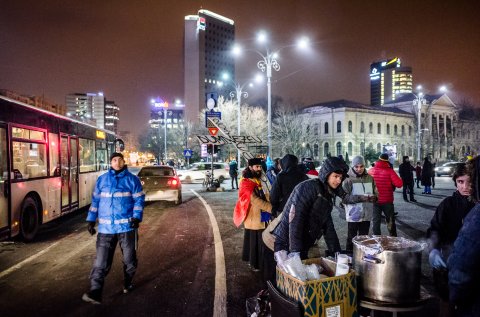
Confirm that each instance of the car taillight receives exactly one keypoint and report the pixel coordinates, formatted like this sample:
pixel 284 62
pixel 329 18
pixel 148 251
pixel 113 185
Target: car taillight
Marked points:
pixel 173 182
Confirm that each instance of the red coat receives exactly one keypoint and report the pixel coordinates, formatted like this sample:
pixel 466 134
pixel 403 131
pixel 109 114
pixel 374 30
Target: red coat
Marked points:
pixel 385 179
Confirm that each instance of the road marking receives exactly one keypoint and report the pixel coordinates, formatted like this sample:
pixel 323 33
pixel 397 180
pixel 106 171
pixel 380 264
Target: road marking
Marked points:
pixel 220 301
pixel 29 259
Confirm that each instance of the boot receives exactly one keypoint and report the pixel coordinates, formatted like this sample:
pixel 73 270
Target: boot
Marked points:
pixel 94 297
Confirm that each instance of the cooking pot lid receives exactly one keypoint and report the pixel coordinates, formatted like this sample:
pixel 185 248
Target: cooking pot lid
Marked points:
pixel 372 244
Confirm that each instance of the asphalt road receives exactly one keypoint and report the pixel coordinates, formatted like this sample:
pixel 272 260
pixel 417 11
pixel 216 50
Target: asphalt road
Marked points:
pixel 176 274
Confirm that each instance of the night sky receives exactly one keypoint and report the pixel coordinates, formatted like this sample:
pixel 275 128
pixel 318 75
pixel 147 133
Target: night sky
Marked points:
pixel 133 50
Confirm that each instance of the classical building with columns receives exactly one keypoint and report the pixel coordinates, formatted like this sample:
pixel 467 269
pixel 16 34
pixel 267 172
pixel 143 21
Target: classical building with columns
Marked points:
pixel 345 126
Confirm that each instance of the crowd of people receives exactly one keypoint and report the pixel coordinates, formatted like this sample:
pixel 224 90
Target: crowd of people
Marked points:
pixel 299 200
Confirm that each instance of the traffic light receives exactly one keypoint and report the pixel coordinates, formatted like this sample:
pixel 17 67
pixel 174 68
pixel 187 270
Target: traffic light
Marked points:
pixel 211 100
pixel 215 148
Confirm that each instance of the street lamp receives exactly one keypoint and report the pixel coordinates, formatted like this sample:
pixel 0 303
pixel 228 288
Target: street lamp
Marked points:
pixel 159 103
pixel 419 101
pixel 268 62
pixel 238 93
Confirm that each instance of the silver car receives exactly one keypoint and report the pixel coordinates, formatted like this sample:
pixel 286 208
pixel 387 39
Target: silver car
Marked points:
pixel 161 182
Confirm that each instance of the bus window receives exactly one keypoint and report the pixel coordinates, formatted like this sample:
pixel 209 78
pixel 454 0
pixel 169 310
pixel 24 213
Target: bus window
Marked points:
pixel 101 156
pixel 87 155
pixel 29 159
pixel 53 152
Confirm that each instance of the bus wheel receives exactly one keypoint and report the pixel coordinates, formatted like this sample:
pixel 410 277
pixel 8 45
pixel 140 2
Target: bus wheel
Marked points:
pixel 29 219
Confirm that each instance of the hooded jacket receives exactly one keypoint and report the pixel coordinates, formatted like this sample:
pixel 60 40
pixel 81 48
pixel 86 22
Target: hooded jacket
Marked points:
pixel 385 178
pixel 307 213
pixel 366 211
pixel 117 197
pixel 287 179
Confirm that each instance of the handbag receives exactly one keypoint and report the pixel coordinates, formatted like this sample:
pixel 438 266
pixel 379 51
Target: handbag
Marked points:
pixel 282 306
pixel 267 236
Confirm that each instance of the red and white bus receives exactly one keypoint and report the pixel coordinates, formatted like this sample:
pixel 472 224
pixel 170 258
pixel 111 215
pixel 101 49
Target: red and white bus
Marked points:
pixel 48 166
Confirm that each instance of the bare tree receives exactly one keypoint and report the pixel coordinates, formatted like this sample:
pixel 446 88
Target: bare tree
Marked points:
pixel 292 132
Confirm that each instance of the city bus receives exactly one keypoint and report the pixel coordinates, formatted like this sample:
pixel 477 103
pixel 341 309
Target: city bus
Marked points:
pixel 49 164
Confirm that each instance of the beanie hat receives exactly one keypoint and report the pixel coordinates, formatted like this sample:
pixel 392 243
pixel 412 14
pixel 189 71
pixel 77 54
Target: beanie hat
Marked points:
pixel 358 160
pixel 383 157
pixel 254 161
pixel 116 154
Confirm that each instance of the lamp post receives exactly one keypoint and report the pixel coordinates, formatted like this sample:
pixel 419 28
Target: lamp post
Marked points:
pixel 419 101
pixel 268 62
pixel 159 103
pixel 237 93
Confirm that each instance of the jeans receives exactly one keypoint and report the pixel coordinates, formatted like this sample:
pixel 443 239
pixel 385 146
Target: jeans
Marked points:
pixel 388 210
pixel 106 245
pixel 428 190
pixel 361 228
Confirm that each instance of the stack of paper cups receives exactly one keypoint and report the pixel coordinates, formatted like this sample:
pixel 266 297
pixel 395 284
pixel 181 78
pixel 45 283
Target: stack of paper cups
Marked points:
pixel 342 269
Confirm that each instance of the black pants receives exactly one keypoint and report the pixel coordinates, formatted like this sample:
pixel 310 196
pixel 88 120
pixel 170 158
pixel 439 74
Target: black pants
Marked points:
pixel 418 180
pixel 234 179
pixel 356 228
pixel 269 266
pixel 409 186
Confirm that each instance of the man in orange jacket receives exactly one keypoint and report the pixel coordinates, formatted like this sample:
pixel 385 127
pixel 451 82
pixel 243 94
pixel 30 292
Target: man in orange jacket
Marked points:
pixel 385 179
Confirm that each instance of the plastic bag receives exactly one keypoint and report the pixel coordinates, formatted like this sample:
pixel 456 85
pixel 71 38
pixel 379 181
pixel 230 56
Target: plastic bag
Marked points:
pixel 259 305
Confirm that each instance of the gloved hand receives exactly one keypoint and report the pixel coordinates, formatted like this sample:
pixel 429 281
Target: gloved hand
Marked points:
pixel 91 227
pixel 435 259
pixel 372 199
pixel 134 223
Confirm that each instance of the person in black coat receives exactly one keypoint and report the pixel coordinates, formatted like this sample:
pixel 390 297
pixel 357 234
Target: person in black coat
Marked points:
pixel 444 228
pixel 290 176
pixel 307 213
pixel 427 176
pixel 406 174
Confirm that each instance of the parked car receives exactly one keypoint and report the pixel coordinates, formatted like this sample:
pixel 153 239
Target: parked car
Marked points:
pixel 161 182
pixel 446 169
pixel 196 172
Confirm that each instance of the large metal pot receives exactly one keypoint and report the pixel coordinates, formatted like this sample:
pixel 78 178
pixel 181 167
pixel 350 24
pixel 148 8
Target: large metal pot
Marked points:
pixel 388 268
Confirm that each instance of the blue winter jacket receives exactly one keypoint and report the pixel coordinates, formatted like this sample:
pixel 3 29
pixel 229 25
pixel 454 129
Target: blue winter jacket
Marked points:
pixel 115 199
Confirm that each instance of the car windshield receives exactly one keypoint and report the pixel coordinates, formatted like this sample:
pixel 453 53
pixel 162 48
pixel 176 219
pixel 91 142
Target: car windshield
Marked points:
pixel 156 171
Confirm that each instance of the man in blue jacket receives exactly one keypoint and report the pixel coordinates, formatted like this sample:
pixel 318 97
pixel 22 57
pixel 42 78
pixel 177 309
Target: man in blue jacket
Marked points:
pixel 117 203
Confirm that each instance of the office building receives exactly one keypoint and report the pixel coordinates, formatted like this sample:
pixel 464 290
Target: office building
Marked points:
pixel 389 81
pixel 111 116
pixel 93 108
pixel 208 40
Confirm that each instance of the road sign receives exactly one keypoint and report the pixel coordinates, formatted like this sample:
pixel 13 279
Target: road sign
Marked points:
pixel 213 131
pixel 187 153
pixel 212 114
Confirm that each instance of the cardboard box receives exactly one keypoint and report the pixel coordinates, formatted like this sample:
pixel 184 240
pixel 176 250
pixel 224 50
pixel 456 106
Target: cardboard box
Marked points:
pixel 334 296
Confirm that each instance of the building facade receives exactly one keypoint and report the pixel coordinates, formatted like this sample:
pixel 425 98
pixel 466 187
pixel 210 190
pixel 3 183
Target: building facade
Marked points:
pixel 93 108
pixel 36 101
pixel 389 80
pixel 343 126
pixel 208 40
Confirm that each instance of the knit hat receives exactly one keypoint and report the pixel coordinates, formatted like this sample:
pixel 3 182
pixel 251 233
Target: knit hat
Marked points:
pixel 254 161
pixel 116 154
pixel 383 157
pixel 358 160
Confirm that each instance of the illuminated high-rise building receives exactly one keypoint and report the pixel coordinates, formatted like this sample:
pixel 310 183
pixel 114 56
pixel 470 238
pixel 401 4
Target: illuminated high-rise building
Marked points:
pixel 208 40
pixel 389 80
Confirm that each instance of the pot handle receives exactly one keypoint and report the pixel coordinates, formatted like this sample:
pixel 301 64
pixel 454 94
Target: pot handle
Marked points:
pixel 372 259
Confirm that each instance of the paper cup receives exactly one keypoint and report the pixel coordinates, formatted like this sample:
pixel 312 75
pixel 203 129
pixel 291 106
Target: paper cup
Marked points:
pixel 342 259
pixel 342 269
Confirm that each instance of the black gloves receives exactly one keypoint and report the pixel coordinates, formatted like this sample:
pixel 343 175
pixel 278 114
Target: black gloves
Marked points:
pixel 91 227
pixel 134 223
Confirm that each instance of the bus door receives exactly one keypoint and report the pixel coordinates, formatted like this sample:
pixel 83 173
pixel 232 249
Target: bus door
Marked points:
pixel 4 184
pixel 69 168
